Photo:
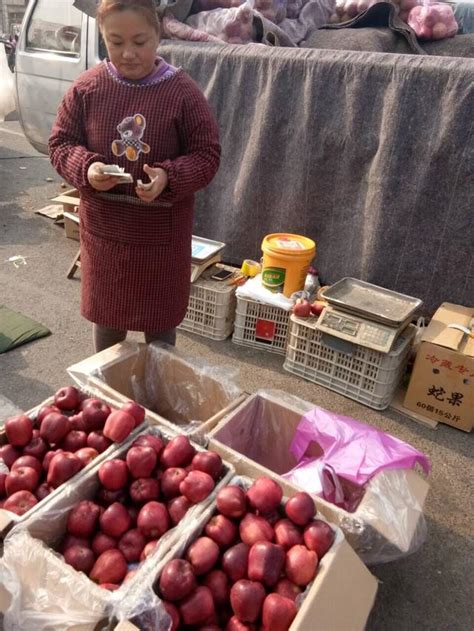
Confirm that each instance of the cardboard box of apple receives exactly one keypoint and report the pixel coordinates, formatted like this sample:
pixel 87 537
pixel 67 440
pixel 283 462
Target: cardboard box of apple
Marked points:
pixel 40 452
pixel 249 566
pixel 142 494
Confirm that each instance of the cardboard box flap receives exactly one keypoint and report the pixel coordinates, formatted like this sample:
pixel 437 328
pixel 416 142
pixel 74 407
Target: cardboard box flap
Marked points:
pixel 439 332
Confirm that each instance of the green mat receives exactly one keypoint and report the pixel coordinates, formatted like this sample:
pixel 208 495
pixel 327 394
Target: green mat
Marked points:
pixel 16 329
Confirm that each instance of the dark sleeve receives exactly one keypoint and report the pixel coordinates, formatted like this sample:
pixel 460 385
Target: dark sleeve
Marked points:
pixel 68 143
pixel 199 136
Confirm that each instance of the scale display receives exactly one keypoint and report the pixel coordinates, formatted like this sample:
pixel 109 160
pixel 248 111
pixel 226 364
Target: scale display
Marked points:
pixel 357 330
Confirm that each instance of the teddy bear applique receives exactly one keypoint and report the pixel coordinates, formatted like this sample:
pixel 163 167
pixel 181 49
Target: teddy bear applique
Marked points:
pixel 131 131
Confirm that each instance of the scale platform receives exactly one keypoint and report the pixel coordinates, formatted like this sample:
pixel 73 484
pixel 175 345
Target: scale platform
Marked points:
pixel 204 253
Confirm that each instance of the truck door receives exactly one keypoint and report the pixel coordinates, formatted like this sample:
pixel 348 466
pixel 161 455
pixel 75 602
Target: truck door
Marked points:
pixel 51 53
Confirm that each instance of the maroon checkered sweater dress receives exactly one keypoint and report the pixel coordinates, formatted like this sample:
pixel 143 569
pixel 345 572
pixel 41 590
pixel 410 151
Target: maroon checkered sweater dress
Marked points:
pixel 135 257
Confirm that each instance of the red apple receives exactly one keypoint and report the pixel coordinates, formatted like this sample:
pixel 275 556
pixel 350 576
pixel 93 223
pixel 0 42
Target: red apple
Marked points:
pixel 319 537
pixel 173 613
pixel 98 441
pixel 234 624
pixel 94 413
pixel 113 474
pixel 135 410
pixel 81 558
pixel 153 520
pixel 222 530
pixel 141 461
pixel 3 477
pixel 178 452
pixel 37 447
pixel 278 613
pixel 131 545
pixel 235 562
pixel 63 467
pixel 287 534
pixel 83 519
pixel 208 461
pixel 20 502
pixel 21 479
pixel 302 308
pixel 67 398
pixel 149 440
pixel 246 598
pixel 232 501
pixel 43 491
pixel 265 495
pixel 9 454
pixel 177 508
pixel 177 580
pixel 218 583
pixel 318 307
pixel 44 411
pixel 266 562
pixel 28 461
pixel 198 607
pixel 110 567
pixel 254 528
pixel 118 426
pixel 86 455
pixel 301 565
pixel 71 540
pixel 286 588
pixel 106 497
pixel 196 486
pixel 148 549
pixel 202 554
pixel 76 422
pixel 49 456
pixel 19 430
pixel 54 428
pixel 103 542
pixel 144 490
pixel 300 508
pixel 115 520
pixel 170 481
pixel 74 441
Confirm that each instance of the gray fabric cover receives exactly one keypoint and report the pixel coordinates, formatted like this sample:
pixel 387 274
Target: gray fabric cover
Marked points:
pixel 369 154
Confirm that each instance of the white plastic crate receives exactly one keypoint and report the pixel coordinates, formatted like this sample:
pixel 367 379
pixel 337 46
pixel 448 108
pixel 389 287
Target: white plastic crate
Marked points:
pixel 211 309
pixel 261 326
pixel 368 376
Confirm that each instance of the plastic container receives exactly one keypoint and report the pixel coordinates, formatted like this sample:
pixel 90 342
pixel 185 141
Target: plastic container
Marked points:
pixel 261 326
pixel 211 309
pixel 286 259
pixel 362 374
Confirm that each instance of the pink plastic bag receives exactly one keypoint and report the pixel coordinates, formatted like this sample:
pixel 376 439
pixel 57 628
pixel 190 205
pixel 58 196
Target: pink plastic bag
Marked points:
pixel 354 450
pixel 433 20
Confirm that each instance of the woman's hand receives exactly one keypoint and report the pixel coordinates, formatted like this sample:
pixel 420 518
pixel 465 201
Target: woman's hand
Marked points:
pixel 99 180
pixel 159 181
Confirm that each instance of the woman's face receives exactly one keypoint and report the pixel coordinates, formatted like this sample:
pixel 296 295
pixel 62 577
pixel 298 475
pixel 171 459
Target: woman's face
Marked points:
pixel 131 43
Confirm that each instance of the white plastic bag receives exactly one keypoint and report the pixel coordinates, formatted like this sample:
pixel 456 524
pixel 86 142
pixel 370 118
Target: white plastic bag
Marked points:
pixel 7 86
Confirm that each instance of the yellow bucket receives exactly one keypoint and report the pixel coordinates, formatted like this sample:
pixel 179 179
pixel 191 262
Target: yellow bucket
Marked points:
pixel 286 259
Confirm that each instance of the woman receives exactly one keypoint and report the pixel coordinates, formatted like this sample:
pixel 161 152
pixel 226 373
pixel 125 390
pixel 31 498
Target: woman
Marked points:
pixel 136 111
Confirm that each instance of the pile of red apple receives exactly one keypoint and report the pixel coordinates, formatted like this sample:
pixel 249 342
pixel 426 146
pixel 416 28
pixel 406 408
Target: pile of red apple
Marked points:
pixel 254 558
pixel 43 453
pixel 139 499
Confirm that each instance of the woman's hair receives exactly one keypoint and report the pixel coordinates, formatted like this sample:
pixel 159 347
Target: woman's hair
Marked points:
pixel 145 7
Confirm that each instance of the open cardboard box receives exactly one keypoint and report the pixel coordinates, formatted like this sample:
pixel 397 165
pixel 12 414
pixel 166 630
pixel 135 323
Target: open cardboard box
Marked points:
pixel 49 588
pixel 441 386
pixel 7 519
pixel 174 391
pixel 339 599
pixel 256 439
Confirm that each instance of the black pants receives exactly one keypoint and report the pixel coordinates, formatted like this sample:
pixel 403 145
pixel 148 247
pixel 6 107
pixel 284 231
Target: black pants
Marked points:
pixel 104 337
